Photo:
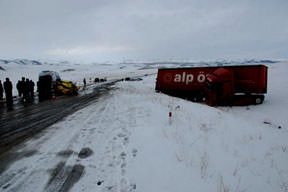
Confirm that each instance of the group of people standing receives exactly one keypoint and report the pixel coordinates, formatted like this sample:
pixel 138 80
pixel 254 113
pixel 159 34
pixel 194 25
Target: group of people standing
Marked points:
pixel 25 88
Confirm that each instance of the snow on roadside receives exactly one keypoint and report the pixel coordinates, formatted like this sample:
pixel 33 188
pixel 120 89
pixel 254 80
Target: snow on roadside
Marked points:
pixel 136 146
pixel 210 149
pixel 203 148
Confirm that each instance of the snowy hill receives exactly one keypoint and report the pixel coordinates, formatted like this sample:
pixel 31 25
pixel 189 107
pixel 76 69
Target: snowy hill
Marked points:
pixel 134 145
pixel 17 68
pixel 20 62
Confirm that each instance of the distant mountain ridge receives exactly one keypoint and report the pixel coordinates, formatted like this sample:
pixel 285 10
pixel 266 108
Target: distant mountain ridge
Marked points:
pixel 4 62
pixel 203 63
pixel 20 62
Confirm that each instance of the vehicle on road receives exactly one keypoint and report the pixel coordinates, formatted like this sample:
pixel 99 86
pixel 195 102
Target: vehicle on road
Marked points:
pixel 50 84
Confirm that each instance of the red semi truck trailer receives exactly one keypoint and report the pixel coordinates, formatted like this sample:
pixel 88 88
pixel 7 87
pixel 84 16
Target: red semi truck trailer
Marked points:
pixel 225 85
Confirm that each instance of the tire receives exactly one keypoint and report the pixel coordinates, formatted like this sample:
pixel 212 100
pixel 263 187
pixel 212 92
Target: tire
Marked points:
pixel 258 100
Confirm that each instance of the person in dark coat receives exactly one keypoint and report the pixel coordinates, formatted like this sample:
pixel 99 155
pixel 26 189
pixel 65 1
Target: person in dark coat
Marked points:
pixel 1 90
pixel 18 86
pixel 8 91
pixel 40 91
pixel 84 82
pixel 26 90
pixel 21 87
pixel 31 88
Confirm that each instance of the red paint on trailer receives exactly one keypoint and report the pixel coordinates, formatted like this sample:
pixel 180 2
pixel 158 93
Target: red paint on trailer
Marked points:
pixel 191 82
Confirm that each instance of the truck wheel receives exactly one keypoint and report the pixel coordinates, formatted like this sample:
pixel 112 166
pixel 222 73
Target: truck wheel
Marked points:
pixel 258 100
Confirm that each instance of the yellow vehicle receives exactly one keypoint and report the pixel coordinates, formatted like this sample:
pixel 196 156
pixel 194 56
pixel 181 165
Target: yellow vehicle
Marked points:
pixel 50 83
pixel 66 87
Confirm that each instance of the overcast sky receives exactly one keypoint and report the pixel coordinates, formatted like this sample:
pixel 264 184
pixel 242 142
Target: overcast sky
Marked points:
pixel 117 30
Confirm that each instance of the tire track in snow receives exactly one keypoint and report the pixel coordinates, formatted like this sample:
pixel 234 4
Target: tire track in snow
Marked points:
pixel 108 151
pixel 57 166
pixel 24 179
pixel 25 122
pixel 108 164
pixel 72 170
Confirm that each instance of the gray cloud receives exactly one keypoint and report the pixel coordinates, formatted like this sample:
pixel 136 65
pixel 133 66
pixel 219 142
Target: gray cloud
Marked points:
pixel 94 30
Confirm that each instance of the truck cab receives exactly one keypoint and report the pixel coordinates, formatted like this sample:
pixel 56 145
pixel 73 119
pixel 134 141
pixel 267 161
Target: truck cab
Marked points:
pixel 220 90
pixel 220 86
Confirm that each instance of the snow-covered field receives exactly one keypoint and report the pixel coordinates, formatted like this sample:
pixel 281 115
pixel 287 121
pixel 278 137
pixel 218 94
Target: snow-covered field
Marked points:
pixel 126 141
pixel 16 69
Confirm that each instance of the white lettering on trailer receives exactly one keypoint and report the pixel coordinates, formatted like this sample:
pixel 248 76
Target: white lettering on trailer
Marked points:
pixel 183 77
pixel 201 77
pixel 177 78
pixel 189 78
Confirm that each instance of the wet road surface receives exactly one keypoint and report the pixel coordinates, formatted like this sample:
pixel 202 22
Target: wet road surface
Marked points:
pixel 22 122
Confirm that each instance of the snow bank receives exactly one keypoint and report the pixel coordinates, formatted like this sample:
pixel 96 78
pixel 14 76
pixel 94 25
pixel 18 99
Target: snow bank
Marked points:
pixel 201 148
pixel 136 146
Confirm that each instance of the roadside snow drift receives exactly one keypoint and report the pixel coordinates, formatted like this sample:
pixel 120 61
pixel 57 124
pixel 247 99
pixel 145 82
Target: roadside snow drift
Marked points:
pixel 126 141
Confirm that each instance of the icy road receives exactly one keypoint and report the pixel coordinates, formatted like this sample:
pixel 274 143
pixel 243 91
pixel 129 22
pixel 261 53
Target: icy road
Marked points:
pixel 23 121
pixel 126 141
